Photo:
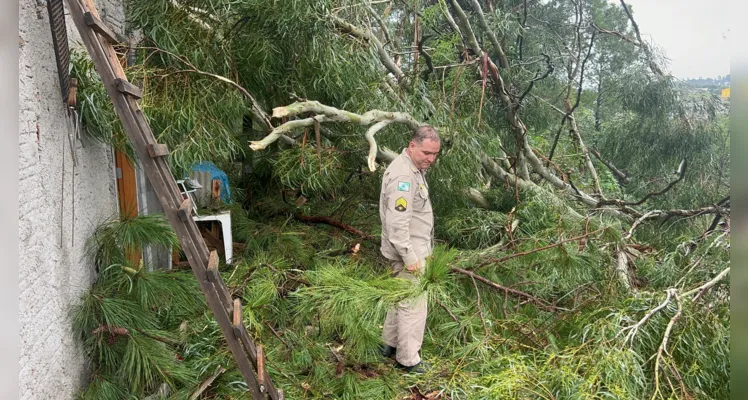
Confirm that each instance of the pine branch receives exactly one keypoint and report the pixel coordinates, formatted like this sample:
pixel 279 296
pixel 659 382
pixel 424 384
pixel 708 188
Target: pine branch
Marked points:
pixel 539 249
pixel 513 292
pixel 257 112
pixel 337 224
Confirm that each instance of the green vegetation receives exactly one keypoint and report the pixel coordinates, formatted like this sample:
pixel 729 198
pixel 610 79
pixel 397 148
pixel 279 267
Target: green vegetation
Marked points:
pixel 551 278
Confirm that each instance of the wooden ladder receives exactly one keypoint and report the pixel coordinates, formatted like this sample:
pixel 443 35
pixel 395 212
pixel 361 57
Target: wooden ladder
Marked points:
pixel 99 41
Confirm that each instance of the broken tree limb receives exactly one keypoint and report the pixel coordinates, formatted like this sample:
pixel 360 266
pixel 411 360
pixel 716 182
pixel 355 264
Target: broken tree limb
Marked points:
pixel 382 26
pixel 514 292
pixel 329 221
pixel 665 338
pixel 207 382
pixel 614 33
pixel 550 246
pixel 647 52
pixel 636 223
pixel 617 172
pixel 633 329
pixel 384 57
pixel 380 119
pixel 503 61
pixel 371 159
pixel 466 29
pixel 622 268
pixel 681 174
pixel 707 285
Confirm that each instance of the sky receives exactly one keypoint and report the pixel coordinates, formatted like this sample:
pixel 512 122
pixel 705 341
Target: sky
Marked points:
pixel 694 34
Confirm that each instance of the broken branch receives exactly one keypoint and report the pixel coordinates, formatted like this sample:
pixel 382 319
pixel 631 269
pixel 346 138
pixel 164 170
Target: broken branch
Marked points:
pixel 206 383
pixel 327 113
pixel 681 174
pixel 513 292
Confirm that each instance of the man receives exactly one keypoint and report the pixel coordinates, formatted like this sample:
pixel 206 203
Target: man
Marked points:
pixel 407 239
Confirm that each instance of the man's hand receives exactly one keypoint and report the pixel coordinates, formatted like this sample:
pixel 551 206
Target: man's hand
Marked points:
pixel 414 268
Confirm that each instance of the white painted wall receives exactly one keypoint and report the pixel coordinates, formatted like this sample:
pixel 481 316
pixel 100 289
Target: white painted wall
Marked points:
pixel 60 204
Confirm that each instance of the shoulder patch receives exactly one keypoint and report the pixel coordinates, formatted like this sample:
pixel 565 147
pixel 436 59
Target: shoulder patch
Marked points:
pixel 403 186
pixel 401 204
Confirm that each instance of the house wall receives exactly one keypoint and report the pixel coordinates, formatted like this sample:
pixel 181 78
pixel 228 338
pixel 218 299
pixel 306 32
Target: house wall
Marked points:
pixel 60 204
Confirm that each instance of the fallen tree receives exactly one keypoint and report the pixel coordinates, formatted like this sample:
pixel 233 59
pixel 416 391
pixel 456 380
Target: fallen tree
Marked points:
pixel 558 274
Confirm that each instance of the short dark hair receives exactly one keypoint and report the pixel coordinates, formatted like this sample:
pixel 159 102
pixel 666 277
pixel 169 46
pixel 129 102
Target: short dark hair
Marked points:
pixel 425 132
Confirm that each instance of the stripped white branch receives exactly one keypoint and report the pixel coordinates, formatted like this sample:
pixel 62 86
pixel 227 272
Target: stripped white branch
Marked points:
pixel 633 329
pixel 371 159
pixel 324 113
pixel 709 284
pixel 636 223
pixel 191 16
pixel 665 338
pixel 622 269
pixel 385 154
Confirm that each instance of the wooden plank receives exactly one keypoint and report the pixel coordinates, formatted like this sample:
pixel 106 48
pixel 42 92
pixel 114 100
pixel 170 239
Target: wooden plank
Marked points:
pixel 128 88
pixel 185 210
pixel 99 27
pixel 127 196
pixel 212 239
pixel 213 262
pixel 158 150
pixel 237 313
pixel 215 189
pixel 161 178
pixel 261 368
pixel 72 100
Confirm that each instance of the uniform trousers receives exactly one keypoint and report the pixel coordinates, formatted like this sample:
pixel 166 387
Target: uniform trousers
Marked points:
pixel 406 321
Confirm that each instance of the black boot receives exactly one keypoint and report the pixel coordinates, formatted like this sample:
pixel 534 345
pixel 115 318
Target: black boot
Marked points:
pixel 419 368
pixel 388 351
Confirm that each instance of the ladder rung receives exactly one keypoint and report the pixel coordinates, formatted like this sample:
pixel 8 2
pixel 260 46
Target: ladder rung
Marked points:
pixel 237 320
pixel 212 269
pixel 185 210
pixel 98 26
pixel 212 275
pixel 261 368
pixel 128 88
pixel 158 150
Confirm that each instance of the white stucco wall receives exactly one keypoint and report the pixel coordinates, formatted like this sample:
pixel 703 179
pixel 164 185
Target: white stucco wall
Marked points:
pixel 59 206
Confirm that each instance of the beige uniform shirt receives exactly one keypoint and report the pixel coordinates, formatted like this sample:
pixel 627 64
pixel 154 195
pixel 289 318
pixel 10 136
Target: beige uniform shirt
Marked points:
pixel 406 213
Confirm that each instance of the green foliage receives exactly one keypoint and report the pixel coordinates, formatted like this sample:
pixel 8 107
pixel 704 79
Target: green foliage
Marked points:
pixel 553 331
pixel 126 320
pixel 473 228
pixel 98 119
pixel 350 306
pixel 113 241
pixel 302 169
